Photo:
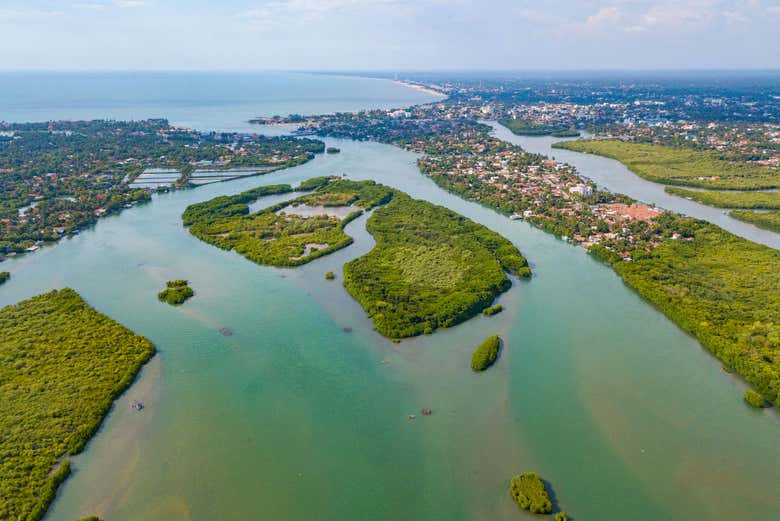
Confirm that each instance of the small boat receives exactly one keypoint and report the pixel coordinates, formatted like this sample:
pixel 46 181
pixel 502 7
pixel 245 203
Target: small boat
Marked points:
pixel 427 412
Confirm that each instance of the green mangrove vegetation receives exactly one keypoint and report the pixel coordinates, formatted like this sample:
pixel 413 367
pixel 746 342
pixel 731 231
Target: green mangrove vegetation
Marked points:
pixel 679 166
pixel 766 220
pixel 528 491
pixel 4 276
pixel 561 516
pixel 278 236
pixel 177 292
pixel 486 354
pixel 722 289
pixel 730 199
pixel 430 268
pixel 62 364
pixel 330 276
pixel 493 310
pixel 524 128
pixel 754 399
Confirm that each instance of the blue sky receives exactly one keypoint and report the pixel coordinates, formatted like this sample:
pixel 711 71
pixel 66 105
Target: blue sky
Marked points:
pixel 389 34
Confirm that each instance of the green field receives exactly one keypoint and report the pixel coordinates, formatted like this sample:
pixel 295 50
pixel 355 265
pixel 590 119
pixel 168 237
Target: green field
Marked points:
pixel 431 268
pixel 523 128
pixel 62 364
pixel 730 199
pixel 766 220
pixel 277 237
pixel 679 166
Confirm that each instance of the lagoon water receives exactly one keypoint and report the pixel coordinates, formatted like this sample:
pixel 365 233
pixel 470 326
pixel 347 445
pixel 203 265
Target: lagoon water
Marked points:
pixel 294 418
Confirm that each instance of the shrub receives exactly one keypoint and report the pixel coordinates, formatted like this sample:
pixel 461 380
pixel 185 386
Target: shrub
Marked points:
pixel 4 276
pixel 754 399
pixel 330 275
pixel 529 492
pixel 486 354
pixel 493 310
pixel 561 516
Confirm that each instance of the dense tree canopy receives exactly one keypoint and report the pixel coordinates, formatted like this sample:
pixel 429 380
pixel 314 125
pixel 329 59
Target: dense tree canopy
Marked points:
pixel 62 364
pixel 431 268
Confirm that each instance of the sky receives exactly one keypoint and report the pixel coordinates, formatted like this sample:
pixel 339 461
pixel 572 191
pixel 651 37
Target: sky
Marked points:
pixel 388 34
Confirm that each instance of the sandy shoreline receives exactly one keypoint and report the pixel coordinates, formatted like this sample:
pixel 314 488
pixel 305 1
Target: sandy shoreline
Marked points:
pixel 421 88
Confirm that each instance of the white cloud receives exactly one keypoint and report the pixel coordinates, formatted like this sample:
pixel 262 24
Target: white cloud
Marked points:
pixel 127 4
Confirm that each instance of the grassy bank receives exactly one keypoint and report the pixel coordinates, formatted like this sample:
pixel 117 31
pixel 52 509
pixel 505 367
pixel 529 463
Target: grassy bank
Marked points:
pixel 766 220
pixel 523 128
pixel 730 199
pixel 431 268
pixel 62 364
pixel 679 166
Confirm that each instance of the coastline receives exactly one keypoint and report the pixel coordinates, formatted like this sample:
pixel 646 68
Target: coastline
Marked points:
pixel 422 88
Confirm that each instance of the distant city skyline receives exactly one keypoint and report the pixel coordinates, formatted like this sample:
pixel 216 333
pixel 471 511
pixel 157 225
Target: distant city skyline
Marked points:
pixel 389 34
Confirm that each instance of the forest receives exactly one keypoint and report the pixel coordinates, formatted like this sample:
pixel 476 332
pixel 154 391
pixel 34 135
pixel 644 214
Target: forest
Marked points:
pixel 720 288
pixel 730 199
pixel 277 236
pixel 679 166
pixel 430 268
pixel 766 220
pixel 62 364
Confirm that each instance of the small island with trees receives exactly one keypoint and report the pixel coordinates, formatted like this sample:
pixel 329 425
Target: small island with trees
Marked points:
pixel 486 354
pixel 528 491
pixel 177 292
pixel 4 276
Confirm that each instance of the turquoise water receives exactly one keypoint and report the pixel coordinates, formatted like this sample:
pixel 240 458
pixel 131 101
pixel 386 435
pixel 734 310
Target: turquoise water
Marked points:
pixel 293 418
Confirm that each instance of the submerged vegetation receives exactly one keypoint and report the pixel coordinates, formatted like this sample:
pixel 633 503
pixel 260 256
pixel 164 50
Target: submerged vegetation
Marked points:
pixel 176 292
pixel 679 166
pixel 730 199
pixel 430 268
pixel 62 364
pixel 275 236
pixel 486 354
pixel 766 220
pixel 529 491
pixel 4 276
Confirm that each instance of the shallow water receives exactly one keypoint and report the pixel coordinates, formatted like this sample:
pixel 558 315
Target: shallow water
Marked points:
pixel 294 418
